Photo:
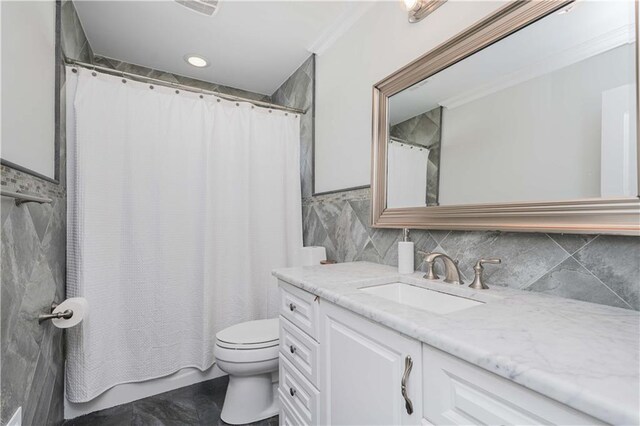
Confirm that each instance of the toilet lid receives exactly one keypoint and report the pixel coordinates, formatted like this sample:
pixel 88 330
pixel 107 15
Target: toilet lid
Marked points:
pixel 254 333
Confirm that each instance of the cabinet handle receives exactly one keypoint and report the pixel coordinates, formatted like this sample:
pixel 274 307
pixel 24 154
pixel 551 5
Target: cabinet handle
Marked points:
pixel 408 365
pixel 292 307
pixel 292 349
pixel 292 391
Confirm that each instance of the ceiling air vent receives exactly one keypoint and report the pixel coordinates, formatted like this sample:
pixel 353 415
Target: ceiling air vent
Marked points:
pixel 206 7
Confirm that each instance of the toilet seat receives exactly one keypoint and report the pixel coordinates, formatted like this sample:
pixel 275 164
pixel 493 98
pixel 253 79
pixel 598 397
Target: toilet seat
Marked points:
pixel 251 341
pixel 250 335
pixel 245 347
pixel 246 355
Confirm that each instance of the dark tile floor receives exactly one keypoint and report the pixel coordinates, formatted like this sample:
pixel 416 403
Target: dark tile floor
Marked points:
pixel 199 404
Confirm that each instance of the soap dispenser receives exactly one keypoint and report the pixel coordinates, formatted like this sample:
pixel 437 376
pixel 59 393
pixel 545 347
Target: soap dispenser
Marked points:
pixel 405 254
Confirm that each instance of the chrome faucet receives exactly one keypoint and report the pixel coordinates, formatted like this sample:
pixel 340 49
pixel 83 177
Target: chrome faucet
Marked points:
pixel 452 272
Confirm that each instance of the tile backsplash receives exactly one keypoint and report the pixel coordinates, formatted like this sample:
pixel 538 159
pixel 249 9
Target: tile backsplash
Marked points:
pixel 593 268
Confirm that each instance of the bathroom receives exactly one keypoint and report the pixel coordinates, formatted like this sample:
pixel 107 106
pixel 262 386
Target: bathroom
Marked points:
pixel 307 212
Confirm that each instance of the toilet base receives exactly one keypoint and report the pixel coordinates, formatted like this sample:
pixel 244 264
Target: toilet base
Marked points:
pixel 249 399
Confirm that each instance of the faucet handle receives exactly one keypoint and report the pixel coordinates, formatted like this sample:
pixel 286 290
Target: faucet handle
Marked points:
pixel 478 282
pixel 494 261
pixel 431 274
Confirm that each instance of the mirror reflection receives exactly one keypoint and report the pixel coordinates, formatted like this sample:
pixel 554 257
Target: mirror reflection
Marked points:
pixel 548 113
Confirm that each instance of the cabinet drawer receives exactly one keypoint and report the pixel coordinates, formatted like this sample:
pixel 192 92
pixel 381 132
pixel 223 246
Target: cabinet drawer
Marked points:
pixel 288 415
pixel 300 308
pixel 300 349
pixel 456 392
pixel 298 392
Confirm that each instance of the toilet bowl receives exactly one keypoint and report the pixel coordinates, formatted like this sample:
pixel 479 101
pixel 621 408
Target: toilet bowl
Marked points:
pixel 248 352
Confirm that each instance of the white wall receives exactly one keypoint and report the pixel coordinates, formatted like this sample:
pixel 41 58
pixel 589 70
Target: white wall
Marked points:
pixel 379 43
pixel 28 84
pixel 536 141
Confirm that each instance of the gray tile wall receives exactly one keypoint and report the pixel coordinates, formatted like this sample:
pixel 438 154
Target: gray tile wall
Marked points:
pixel 33 259
pixel 74 42
pixel 33 244
pixel 599 269
pixel 298 92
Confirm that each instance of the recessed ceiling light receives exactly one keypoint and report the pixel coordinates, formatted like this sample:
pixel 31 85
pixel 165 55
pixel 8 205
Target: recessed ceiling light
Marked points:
pixel 196 61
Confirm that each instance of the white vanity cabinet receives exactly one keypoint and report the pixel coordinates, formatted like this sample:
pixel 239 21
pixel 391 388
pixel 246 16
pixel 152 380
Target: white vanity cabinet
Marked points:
pixel 337 367
pixel 340 368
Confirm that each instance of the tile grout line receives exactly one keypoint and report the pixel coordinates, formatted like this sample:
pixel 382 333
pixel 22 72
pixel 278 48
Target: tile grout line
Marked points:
pixel 369 240
pixel 592 240
pixel 594 275
pixel 602 282
pixel 443 239
pixel 558 244
pixel 550 269
pixel 571 256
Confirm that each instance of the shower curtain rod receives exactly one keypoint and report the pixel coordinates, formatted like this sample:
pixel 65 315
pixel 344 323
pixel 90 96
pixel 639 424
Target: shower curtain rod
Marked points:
pixel 73 62
pixel 406 142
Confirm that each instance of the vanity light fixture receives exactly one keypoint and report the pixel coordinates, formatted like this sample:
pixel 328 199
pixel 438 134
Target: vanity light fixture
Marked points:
pixel 420 9
pixel 196 61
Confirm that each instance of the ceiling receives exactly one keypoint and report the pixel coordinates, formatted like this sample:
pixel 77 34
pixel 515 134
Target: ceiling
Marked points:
pixel 250 45
pixel 555 42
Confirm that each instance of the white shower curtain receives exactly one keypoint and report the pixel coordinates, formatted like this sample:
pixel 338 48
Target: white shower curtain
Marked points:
pixel 179 208
pixel 407 175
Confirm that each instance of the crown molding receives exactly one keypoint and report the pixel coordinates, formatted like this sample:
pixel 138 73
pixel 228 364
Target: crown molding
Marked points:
pixel 339 27
pixel 564 58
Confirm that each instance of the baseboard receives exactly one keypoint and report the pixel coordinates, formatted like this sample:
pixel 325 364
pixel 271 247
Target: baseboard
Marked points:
pixel 129 392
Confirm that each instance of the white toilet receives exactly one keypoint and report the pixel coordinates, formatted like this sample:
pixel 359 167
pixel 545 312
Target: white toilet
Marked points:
pixel 248 352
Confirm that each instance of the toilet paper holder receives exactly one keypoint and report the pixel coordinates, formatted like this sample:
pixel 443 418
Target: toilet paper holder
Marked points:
pixel 45 317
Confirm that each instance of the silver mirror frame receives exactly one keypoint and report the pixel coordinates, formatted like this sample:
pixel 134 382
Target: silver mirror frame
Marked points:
pixel 619 216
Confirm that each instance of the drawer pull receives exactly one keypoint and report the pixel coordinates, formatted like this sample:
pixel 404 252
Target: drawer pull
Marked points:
pixel 292 349
pixel 408 365
pixel 292 307
pixel 292 391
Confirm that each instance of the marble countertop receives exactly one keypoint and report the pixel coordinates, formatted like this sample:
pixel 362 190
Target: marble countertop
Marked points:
pixel 580 354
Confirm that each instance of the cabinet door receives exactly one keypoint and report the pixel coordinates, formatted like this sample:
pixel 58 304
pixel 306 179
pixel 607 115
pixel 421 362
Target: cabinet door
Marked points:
pixel 458 393
pixel 364 364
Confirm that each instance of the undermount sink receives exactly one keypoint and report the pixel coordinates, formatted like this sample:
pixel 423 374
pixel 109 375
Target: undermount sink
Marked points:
pixel 421 298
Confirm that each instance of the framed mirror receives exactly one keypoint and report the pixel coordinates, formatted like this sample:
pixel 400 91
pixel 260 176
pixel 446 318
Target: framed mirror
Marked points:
pixel 527 121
